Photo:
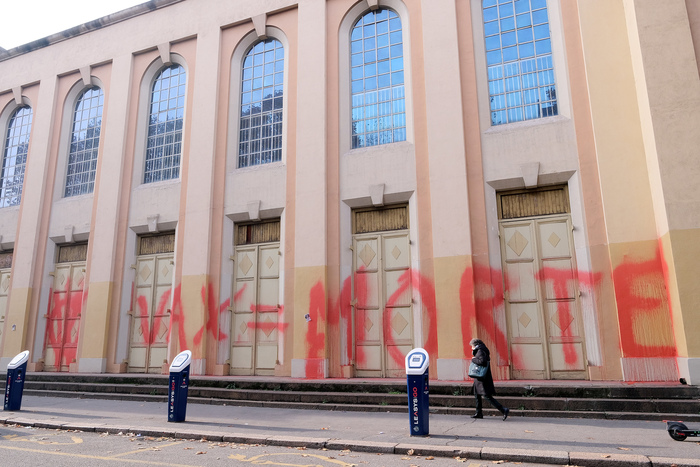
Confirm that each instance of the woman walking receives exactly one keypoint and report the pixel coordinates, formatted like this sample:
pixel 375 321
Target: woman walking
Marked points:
pixel 484 386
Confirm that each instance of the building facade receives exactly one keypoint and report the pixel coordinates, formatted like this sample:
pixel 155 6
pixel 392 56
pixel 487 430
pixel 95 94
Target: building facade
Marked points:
pixel 311 188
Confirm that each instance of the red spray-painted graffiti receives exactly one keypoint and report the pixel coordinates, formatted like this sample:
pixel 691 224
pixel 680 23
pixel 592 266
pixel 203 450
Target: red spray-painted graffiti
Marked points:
pixel 481 293
pixel 213 312
pixel 644 308
pixel 562 283
pixel 315 336
pixel 63 325
pixel 341 312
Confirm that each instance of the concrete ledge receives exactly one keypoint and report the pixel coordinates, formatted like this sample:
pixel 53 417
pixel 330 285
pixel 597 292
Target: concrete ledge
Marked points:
pixel 470 453
pixel 428 450
pixel 75 427
pixel 297 442
pixel 525 455
pixel 152 431
pixel 196 435
pixel 594 459
pixel 21 421
pixel 361 446
pixel 672 461
pixel 242 438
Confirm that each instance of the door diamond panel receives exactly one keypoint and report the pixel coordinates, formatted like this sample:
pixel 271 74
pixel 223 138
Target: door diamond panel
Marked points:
pixel 366 254
pixel 518 242
pixel 396 252
pixel 554 239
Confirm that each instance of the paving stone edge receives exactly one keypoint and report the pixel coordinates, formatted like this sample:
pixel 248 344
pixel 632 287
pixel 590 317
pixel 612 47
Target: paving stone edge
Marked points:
pixel 581 459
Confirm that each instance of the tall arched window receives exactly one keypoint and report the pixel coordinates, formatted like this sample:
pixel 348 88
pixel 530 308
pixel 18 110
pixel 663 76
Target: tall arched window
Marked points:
pixel 519 60
pixel 262 93
pixel 15 156
pixel 165 121
pixel 84 143
pixel 378 94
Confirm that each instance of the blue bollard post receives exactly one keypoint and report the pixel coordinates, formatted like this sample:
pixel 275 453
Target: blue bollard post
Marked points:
pixel 16 372
pixel 177 387
pixel 417 362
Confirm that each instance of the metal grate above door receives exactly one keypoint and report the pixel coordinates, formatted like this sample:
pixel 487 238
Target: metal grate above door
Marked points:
pixel 380 220
pixel 531 203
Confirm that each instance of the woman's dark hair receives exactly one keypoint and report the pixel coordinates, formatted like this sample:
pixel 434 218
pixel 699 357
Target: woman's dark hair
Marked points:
pixel 475 342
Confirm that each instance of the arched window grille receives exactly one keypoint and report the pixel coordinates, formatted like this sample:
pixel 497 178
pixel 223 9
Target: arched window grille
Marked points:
pixel 14 157
pixel 84 143
pixel 377 77
pixel 262 96
pixel 165 122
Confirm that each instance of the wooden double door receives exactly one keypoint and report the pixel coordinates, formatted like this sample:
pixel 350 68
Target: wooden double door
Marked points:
pixel 545 328
pixel 382 299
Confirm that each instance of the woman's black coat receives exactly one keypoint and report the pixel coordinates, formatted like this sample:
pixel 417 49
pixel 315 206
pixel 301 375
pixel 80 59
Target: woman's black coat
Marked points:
pixel 483 386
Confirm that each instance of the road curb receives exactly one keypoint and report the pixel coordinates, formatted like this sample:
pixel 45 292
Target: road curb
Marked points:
pixel 581 459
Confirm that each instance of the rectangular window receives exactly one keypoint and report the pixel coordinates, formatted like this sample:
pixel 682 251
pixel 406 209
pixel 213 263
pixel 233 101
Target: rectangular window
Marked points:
pixel 519 60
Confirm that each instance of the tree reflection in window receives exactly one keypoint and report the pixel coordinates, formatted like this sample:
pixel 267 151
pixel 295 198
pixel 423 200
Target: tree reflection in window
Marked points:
pixel 84 143
pixel 14 157
pixel 519 60
pixel 377 80
pixel 262 93
pixel 165 121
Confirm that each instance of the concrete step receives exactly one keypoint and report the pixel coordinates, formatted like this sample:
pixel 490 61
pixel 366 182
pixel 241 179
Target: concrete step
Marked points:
pixel 553 402
pixel 544 399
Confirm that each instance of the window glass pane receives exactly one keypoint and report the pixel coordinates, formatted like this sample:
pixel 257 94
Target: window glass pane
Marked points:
pixel 524 35
pixel 491 28
pixel 542 31
pixel 520 69
pixel 162 154
pixel 526 50
pixel 15 157
pixel 493 57
pixel 85 139
pixel 505 9
pixel 510 54
pixel 507 24
pixel 493 42
pixel 539 17
pixel 266 104
pixel 543 47
pixel 522 6
pixel 377 81
pixel 508 39
pixel 490 14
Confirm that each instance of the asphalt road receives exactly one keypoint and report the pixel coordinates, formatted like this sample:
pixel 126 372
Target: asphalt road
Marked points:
pixel 59 448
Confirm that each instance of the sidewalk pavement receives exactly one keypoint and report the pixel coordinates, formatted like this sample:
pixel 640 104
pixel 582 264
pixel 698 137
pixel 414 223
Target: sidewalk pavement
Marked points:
pixel 581 442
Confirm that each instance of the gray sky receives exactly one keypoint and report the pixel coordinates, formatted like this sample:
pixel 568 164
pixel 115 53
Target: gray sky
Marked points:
pixel 24 21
